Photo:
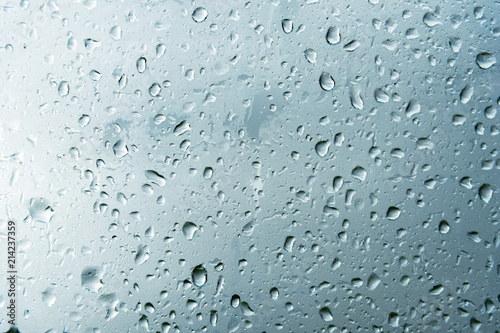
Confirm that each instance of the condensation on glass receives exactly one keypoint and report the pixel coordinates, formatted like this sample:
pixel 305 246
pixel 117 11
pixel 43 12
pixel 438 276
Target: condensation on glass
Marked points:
pixel 260 166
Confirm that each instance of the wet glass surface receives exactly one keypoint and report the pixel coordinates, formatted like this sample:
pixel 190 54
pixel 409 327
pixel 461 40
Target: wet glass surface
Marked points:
pixel 261 166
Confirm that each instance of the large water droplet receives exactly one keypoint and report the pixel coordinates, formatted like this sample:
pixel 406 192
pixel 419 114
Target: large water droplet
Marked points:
pixel 359 173
pixel 485 192
pixel 63 89
pixel 199 15
pixel 326 82
pixel 326 314
pixel 199 275
pixel 189 229
pixel 91 278
pixel 393 213
pixel 485 60
pixel 310 55
pixel 333 35
pixel 155 177
pixel 322 148
pixel 287 26
pixel 141 64
pixel 466 94
pixel 120 149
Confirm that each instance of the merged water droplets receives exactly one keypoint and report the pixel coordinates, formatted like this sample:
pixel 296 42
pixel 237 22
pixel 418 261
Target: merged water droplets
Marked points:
pixel 155 177
pixel 91 278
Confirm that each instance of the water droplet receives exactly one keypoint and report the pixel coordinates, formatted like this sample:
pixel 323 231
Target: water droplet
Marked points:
pixel 356 100
pixel 63 89
pixel 199 276
pixel 430 19
pixel 373 281
pixel 48 297
pixel 274 293
pixel 160 50
pixel 359 173
pixel 352 46
pixel 326 81
pixel 437 289
pixel 393 213
pixel 208 172
pixel 154 90
pixel 199 15
pixel 213 317
pixel 393 319
pixel 289 241
pixel 116 32
pixel 310 55
pixel 485 60
pixel 466 94
pixel 95 75
pixel 381 96
pixel 485 192
pixel 182 128
pixel 322 148
pixel 246 309
pixel 326 314
pixel 287 26
pixel 412 108
pixel 155 177
pixel 490 112
pixel 91 279
pixel 189 229
pixel 84 120
pixel 333 35
pixel 40 210
pixel 141 64
pixel 235 301
pixel 120 149
pixel 338 181
pixel 444 227
pixel 142 254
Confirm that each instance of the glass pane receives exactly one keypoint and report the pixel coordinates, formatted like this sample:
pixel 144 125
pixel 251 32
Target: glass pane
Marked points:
pixel 260 166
